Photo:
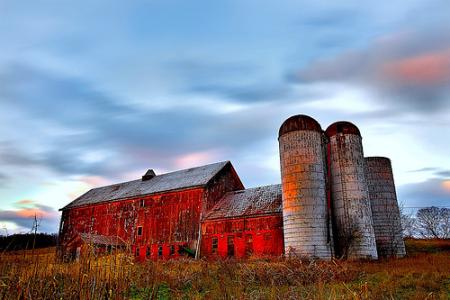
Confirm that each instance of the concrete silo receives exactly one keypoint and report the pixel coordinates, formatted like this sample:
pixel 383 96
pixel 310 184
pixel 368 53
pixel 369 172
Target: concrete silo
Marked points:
pixel 385 210
pixel 354 234
pixel 303 171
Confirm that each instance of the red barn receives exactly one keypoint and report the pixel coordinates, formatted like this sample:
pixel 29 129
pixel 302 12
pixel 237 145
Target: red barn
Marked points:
pixel 201 211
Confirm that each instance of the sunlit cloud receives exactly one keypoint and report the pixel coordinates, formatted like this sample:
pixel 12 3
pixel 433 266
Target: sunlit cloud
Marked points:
pixel 22 219
pixel 196 158
pixel 446 185
pixel 431 68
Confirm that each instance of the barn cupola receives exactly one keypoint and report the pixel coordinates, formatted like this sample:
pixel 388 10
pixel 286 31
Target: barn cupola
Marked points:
pixel 148 175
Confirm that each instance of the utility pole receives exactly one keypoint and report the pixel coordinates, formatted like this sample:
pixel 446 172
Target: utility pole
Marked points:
pixel 34 229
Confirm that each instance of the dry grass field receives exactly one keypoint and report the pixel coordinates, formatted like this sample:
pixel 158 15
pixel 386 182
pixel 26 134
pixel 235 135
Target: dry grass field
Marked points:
pixel 424 274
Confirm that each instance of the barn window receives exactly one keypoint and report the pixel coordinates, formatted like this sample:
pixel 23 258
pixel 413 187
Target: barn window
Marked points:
pixel 215 244
pixel 137 252
pixel 248 244
pixel 230 246
pixel 172 249
pixel 139 230
pixel 142 203
pixel 147 253
pixel 160 252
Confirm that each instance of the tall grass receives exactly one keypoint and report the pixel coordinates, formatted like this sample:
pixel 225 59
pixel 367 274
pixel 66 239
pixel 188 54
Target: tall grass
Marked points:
pixel 424 275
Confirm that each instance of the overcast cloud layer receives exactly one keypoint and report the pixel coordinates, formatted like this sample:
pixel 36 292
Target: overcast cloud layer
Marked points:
pixel 96 93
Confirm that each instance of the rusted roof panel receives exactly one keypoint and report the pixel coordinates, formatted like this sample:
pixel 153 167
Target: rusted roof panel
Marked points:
pixel 250 202
pixel 97 239
pixel 193 177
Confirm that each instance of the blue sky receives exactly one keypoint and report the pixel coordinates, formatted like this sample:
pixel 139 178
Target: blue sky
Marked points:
pixel 97 92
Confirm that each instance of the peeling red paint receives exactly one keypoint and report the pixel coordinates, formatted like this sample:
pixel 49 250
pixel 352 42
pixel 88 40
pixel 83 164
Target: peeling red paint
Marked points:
pixel 253 236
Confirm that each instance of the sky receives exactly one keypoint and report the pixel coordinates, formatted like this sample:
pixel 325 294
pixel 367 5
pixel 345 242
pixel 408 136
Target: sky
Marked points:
pixel 97 92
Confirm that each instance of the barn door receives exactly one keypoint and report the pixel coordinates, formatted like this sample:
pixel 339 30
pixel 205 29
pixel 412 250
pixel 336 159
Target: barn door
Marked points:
pixel 230 246
pixel 248 245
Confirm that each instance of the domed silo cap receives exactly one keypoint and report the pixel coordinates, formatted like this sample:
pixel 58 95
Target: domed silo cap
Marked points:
pixel 299 123
pixel 342 127
pixel 378 158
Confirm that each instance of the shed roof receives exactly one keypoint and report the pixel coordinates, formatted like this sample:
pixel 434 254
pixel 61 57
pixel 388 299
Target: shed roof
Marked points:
pixel 188 178
pixel 250 202
pixel 97 239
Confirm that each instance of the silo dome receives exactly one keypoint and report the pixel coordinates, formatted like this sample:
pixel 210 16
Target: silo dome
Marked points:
pixel 299 122
pixel 342 127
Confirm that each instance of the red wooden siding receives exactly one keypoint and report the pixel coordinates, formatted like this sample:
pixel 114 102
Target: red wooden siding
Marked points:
pixel 166 219
pixel 252 236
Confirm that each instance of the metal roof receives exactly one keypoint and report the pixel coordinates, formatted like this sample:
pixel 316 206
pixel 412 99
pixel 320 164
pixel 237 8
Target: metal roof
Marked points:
pixel 97 239
pixel 188 178
pixel 250 202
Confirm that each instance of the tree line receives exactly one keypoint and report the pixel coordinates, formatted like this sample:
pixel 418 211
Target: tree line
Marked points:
pixel 26 241
pixel 428 222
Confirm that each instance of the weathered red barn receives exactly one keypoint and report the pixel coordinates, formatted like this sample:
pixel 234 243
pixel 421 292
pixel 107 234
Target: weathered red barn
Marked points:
pixel 160 216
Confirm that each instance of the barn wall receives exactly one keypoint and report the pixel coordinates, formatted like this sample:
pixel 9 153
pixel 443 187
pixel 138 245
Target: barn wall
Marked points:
pixel 253 236
pixel 167 219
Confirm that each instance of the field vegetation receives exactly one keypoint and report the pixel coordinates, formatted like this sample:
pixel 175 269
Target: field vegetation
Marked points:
pixel 424 274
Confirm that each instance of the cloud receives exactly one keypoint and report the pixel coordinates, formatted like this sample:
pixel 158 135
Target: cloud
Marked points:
pixel 408 71
pixel 429 69
pixel 232 81
pixel 443 173
pixel 23 217
pixel 436 172
pixel 100 134
pixel 432 192
pixel 426 169
pixel 3 179
pixel 195 159
pixel 246 94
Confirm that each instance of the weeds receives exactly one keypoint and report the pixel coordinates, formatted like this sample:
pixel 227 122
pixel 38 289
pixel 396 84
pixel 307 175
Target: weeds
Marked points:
pixel 423 275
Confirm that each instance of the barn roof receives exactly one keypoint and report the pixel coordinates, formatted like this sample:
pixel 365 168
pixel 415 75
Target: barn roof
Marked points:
pixel 250 202
pixel 188 178
pixel 97 239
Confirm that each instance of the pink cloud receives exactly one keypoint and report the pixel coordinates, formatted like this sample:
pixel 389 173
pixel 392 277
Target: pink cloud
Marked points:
pixel 195 159
pixel 25 202
pixel 431 68
pixel 31 212
pixel 446 185
pixel 94 181
pixel 23 217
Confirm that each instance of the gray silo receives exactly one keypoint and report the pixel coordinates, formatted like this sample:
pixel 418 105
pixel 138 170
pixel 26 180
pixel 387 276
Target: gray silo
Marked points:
pixel 385 210
pixel 305 226
pixel 354 234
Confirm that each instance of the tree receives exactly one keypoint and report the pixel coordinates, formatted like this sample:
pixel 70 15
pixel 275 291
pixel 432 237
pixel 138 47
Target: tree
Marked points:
pixel 408 221
pixel 433 222
pixel 409 224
